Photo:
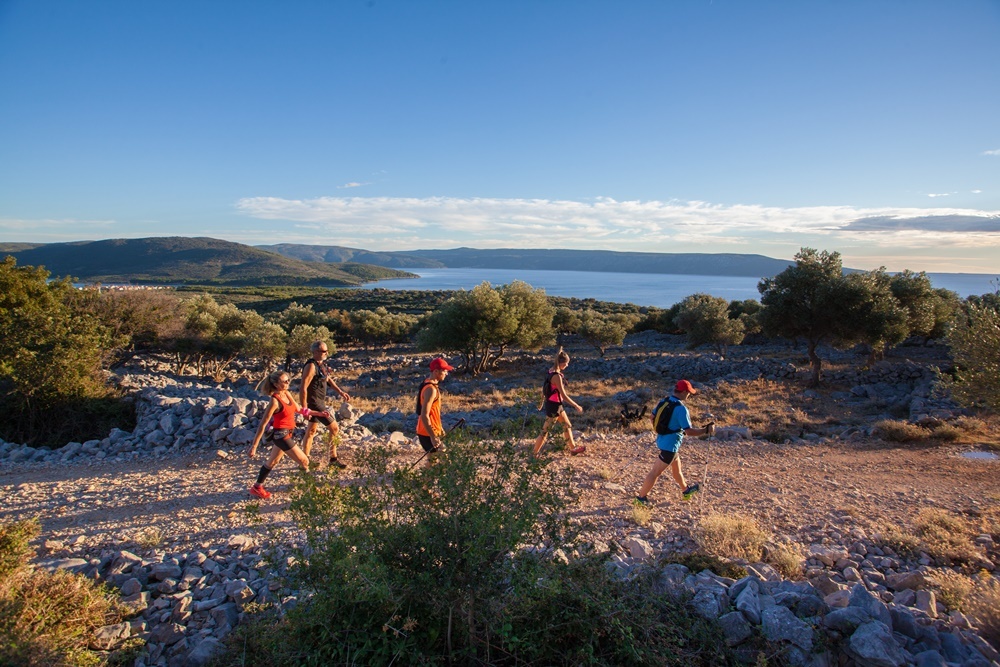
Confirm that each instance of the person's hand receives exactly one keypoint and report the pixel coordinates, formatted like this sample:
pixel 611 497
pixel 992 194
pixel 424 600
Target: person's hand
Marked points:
pixel 710 429
pixel 579 408
pixel 325 413
pixel 253 451
pixel 344 395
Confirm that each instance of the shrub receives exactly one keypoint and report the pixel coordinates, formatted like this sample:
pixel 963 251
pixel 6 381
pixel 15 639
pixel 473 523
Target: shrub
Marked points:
pixel 46 619
pixel 946 432
pixel 899 431
pixel 731 536
pixel 428 566
pixel 984 606
pixel 786 559
pixel 641 514
pixel 946 536
pixel 952 588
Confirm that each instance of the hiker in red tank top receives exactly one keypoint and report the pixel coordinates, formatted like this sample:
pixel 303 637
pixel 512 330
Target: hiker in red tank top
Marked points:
pixel 280 413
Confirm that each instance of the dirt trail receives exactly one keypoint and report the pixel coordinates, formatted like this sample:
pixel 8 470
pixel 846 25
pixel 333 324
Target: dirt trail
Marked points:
pixel 794 490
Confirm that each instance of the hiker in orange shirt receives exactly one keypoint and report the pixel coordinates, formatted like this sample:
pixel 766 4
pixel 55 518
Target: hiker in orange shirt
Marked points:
pixel 429 427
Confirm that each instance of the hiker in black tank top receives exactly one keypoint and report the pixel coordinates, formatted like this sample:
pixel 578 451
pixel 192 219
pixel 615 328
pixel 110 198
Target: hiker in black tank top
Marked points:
pixel 554 398
pixel 315 379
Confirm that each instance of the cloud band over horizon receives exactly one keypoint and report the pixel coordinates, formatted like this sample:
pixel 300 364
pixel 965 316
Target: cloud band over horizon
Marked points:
pixel 405 223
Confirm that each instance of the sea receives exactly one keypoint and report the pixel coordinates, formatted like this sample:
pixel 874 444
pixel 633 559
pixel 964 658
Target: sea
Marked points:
pixel 642 289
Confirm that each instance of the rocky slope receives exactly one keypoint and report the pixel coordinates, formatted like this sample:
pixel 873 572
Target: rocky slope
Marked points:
pixel 161 512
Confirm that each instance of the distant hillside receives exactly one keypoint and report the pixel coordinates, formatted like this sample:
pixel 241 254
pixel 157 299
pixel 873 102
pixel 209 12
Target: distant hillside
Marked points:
pixel 333 253
pixel 714 264
pixel 190 261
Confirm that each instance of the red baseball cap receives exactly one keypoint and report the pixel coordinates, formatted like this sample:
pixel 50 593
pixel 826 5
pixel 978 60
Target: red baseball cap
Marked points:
pixel 684 385
pixel 439 364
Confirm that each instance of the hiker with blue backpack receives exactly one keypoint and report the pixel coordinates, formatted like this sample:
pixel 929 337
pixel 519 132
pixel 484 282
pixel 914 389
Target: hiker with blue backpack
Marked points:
pixel 672 421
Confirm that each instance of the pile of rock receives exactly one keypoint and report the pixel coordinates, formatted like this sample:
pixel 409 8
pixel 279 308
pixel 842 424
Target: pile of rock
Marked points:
pixel 184 604
pixel 821 629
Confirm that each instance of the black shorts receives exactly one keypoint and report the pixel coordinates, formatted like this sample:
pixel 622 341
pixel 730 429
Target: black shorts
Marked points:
pixel 667 457
pixel 326 421
pixel 282 439
pixel 426 443
pixel 553 409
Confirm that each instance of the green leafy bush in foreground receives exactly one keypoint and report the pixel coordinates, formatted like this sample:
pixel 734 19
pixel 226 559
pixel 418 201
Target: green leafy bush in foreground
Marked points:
pixel 435 566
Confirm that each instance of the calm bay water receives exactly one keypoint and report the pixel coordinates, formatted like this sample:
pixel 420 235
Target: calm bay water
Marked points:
pixel 643 289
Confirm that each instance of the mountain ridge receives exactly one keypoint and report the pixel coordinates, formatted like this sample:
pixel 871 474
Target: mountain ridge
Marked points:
pixel 716 264
pixel 189 260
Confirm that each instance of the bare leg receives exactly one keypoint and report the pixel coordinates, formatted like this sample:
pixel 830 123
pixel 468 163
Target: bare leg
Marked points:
pixel 307 439
pixel 654 472
pixel 274 457
pixel 300 457
pixel 540 440
pixel 675 470
pixel 333 437
pixel 568 428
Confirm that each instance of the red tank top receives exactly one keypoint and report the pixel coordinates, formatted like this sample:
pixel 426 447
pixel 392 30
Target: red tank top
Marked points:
pixel 285 417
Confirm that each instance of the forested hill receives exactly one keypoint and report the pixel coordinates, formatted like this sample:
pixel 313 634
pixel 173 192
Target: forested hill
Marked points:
pixel 189 261
pixel 715 264
pixel 333 253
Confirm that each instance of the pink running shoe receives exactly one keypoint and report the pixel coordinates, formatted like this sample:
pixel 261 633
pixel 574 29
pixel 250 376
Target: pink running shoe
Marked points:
pixel 579 449
pixel 260 491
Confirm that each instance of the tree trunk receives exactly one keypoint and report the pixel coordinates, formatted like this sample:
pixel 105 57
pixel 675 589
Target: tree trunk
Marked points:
pixel 815 363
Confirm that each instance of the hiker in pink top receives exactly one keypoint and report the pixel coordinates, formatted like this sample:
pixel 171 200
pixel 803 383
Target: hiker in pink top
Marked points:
pixel 554 398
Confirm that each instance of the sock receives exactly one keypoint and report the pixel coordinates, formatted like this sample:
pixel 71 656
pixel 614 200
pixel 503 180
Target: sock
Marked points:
pixel 264 470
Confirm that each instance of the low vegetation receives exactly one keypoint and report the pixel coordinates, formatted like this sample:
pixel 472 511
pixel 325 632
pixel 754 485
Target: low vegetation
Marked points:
pixel 732 536
pixel 46 619
pixel 433 568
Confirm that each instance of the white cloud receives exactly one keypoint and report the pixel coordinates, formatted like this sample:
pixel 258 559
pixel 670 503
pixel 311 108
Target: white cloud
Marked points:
pixel 52 230
pixel 976 192
pixel 604 223
pixel 352 184
pixel 942 194
pixel 993 152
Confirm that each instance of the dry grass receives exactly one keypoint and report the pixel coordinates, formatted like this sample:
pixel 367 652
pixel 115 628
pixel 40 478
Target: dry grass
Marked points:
pixel 641 514
pixel 149 538
pixel 952 588
pixel 899 431
pixel 46 619
pixel 731 536
pixel 984 607
pixel 788 559
pixel 946 537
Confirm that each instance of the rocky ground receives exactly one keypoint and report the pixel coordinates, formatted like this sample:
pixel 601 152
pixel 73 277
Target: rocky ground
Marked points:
pixel 152 510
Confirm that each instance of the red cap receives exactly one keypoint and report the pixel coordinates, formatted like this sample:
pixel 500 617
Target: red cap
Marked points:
pixel 440 364
pixel 684 385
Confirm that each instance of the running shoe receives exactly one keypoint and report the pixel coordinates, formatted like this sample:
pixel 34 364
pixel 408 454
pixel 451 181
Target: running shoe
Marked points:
pixel 641 500
pixel 579 449
pixel 259 491
pixel 337 463
pixel 691 490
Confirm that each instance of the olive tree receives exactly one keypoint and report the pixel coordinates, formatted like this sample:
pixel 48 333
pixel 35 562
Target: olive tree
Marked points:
pixel 483 323
pixel 876 317
pixel 706 321
pixel 50 354
pixel 975 345
pixel 603 330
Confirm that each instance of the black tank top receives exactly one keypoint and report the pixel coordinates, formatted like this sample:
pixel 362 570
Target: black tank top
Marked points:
pixel 316 391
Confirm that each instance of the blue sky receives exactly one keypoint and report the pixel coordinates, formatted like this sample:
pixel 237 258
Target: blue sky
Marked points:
pixel 867 127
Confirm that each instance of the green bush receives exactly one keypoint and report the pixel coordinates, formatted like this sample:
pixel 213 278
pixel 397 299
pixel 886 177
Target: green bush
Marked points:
pixel 438 565
pixel 51 351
